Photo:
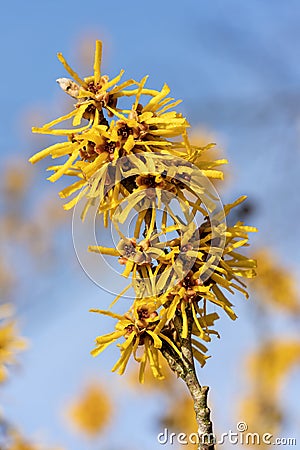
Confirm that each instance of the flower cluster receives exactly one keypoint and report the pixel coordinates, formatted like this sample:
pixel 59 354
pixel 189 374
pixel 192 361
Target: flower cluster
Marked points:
pixel 129 150
pixel 144 128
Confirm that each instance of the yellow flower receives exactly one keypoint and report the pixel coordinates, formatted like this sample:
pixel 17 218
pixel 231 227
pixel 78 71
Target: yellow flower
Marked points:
pixel 148 325
pixel 94 92
pixel 207 280
pixel 132 253
pixel 141 328
pixel 91 413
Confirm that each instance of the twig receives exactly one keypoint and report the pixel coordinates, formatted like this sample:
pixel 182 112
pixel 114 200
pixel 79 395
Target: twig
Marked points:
pixel 185 368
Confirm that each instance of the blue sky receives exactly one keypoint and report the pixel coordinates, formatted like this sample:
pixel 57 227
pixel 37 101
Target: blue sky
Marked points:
pixel 236 67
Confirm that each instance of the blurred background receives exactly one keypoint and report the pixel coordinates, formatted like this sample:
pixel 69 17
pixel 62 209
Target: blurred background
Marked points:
pixel 236 67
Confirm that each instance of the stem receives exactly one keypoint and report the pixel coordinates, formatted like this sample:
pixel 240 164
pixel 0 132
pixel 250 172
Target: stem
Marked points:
pixel 185 368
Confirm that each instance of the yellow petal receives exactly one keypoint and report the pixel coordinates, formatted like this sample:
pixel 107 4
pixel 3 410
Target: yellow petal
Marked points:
pixel 97 61
pixel 70 70
pixel 157 342
pixel 103 250
pixel 64 167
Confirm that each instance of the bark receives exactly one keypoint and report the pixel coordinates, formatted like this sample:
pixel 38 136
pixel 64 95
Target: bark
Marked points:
pixel 185 368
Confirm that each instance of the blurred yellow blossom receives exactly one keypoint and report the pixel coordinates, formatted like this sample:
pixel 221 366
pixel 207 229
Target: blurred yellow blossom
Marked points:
pixel 267 369
pixel 271 363
pixel 275 284
pixel 91 412
pixel 10 344
pixel 261 413
pixel 16 180
pixel 18 442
